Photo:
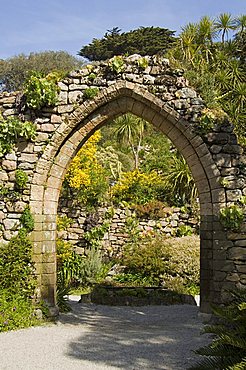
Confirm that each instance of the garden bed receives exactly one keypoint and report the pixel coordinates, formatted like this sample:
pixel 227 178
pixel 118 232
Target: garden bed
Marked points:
pixel 135 296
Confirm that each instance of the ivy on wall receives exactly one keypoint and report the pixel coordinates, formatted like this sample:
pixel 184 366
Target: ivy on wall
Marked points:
pixel 11 129
pixel 42 90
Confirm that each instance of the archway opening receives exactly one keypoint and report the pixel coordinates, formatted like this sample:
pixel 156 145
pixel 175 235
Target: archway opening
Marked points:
pixel 128 213
pixel 187 142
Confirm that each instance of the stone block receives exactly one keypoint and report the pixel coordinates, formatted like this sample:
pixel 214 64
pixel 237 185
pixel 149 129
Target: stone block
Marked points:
pixel 240 243
pixel 37 192
pixel 65 108
pixel 237 253
pixel 223 160
pixel 9 165
pixel 10 223
pixel 47 127
pixel 233 195
pixel 218 196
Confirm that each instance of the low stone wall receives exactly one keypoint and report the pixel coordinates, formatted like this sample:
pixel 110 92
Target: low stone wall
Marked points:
pixel 116 236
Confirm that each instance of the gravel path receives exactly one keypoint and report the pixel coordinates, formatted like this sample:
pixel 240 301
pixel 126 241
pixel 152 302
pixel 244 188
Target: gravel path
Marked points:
pixel 94 337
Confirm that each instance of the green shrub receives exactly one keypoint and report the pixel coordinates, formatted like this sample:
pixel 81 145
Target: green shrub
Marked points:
pixel 142 63
pixel 17 281
pixel 68 272
pixel 11 129
pixel 228 349
pixel 74 270
pixel 179 182
pixel 21 179
pixel 92 76
pixel 232 217
pixel 42 90
pixel 173 263
pixel 184 230
pixel 128 279
pixel 90 92
pixel 63 222
pixel 16 311
pixel 16 266
pixel 27 220
pixel 116 64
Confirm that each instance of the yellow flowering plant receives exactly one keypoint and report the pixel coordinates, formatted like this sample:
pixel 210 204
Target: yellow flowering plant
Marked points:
pixel 86 176
pixel 136 187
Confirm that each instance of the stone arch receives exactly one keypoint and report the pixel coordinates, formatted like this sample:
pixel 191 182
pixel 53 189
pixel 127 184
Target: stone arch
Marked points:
pixel 111 103
pixel 163 97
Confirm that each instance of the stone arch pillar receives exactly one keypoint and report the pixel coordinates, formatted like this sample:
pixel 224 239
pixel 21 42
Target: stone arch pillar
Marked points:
pixel 49 175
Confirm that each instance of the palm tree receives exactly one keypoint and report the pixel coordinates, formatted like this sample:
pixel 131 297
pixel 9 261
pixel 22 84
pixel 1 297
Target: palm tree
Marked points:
pixel 225 23
pixel 179 178
pixel 187 42
pixel 206 31
pixel 130 131
pixel 205 36
pixel 241 23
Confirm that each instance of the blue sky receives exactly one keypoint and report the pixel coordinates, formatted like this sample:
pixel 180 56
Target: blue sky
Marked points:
pixel 37 25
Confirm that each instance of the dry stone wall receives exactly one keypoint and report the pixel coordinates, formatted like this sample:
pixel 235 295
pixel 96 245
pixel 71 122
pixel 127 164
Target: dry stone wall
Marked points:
pixel 162 96
pixel 170 224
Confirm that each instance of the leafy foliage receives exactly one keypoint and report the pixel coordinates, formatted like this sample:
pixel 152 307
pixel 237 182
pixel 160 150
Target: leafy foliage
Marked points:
pixel 16 311
pixel 216 69
pixel 83 270
pixel 27 220
pixel 16 266
pixel 143 41
pixel 21 179
pixel 63 223
pixel 179 181
pixel 232 217
pixel 131 130
pixel 228 349
pixel 42 90
pixel 11 129
pixel 142 63
pixel 116 64
pixel 15 70
pixel 172 263
pixel 90 92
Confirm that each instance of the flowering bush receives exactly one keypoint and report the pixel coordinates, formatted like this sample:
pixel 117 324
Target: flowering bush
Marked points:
pixel 86 176
pixel 137 188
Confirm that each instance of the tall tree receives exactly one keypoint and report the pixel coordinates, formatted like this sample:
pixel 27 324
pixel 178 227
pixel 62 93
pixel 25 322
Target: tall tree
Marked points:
pixel 130 130
pixel 143 41
pixel 225 23
pixel 14 70
pixel 216 69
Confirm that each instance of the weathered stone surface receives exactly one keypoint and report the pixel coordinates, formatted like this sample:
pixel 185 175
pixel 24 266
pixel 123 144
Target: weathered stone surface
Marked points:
pixel 233 195
pixel 9 165
pixel 162 96
pixel 237 253
pixel 74 96
pixel 10 223
pixel 3 176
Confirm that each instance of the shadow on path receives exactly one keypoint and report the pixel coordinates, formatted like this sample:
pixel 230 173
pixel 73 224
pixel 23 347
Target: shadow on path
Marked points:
pixel 148 337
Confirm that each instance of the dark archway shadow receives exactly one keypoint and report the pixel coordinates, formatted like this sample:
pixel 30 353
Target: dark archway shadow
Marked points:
pixel 147 337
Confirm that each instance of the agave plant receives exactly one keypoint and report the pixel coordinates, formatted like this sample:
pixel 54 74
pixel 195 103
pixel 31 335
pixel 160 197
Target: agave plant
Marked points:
pixel 228 349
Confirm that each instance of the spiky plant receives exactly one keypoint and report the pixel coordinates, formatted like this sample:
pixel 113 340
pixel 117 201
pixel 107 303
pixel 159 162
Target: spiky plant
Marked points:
pixel 228 349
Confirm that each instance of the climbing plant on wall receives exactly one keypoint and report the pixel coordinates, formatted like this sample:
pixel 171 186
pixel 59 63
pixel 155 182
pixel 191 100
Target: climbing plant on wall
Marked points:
pixel 11 129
